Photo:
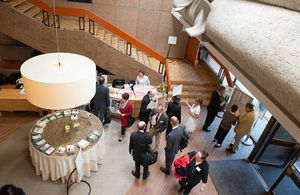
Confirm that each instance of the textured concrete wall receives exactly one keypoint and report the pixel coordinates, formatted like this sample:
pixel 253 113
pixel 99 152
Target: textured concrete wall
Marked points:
pixel 150 21
pixel 21 27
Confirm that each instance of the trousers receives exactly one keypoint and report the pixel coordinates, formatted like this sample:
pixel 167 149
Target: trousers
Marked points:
pixel 157 137
pixel 209 118
pixel 221 134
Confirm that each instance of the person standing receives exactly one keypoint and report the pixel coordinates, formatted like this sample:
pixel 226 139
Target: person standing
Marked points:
pixel 243 127
pixel 230 118
pixel 101 99
pixel 174 109
pixel 194 114
pixel 197 170
pixel 214 106
pixel 145 111
pixel 142 79
pixel 173 142
pixel 139 144
pixel 126 110
pixel 158 123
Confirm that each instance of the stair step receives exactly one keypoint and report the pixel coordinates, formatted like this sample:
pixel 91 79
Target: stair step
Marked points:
pixel 100 33
pixel 154 63
pixel 140 57
pixel 39 16
pixel 208 83
pixel 23 6
pixel 28 8
pixel 16 3
pixel 134 53
pixel 114 41
pixel 69 24
pixel 121 45
pixel 33 11
pixel 107 37
pixel 146 60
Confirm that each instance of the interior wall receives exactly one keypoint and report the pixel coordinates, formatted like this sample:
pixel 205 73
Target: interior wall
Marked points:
pixel 150 21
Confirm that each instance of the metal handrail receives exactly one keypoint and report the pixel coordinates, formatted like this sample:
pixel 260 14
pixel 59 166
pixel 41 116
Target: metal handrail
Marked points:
pixel 83 13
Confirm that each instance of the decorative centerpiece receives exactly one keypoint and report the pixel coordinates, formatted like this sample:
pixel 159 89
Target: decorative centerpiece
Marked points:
pixel 71 126
pixel 162 88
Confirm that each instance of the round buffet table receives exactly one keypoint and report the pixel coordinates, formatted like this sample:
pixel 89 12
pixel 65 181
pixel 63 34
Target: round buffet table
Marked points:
pixel 59 166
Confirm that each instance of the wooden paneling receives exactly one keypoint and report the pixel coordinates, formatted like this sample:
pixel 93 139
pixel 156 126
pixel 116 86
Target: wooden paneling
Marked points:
pixel 192 50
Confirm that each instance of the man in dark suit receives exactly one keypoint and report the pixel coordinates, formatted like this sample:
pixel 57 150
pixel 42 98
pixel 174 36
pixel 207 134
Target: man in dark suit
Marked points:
pixel 174 109
pixel 215 105
pixel 139 143
pixel 144 111
pixel 173 142
pixel 101 100
pixel 158 123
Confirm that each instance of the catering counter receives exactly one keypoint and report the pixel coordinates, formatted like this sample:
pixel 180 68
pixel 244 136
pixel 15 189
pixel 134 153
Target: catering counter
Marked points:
pixel 135 96
pixel 12 100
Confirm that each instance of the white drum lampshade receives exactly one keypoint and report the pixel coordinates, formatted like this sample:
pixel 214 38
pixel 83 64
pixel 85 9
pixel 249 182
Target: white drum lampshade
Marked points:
pixel 52 86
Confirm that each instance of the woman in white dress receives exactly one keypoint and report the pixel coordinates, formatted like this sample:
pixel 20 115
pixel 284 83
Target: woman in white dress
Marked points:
pixel 194 114
pixel 142 79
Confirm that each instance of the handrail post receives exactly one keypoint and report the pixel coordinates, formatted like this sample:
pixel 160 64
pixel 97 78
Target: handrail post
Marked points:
pixel 91 23
pixel 128 44
pixel 46 18
pixel 56 19
pixel 81 23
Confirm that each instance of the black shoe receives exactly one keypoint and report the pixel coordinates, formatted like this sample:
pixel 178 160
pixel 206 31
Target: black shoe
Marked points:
pixel 133 173
pixel 206 130
pixel 164 171
pixel 180 190
pixel 230 145
pixel 214 140
pixel 230 150
pixel 147 175
pixel 218 145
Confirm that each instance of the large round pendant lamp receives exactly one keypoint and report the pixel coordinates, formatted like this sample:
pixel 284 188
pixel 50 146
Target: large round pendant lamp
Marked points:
pixel 54 85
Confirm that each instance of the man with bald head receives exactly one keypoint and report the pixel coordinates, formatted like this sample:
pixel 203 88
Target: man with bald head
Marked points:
pixel 139 143
pixel 158 123
pixel 173 142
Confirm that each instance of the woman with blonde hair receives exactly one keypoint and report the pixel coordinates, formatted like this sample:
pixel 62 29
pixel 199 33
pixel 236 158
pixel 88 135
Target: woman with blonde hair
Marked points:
pixel 194 114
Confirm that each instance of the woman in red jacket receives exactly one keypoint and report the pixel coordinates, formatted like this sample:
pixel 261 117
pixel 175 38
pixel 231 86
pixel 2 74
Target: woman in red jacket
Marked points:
pixel 125 108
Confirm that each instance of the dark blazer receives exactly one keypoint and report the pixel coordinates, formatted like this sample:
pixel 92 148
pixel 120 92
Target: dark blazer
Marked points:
pixel 162 122
pixel 214 103
pixel 139 143
pixel 101 99
pixel 174 109
pixel 195 176
pixel 173 141
pixel 144 112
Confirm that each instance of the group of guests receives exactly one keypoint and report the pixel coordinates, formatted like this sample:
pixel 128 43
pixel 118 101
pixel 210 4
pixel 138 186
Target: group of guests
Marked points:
pixel 197 168
pixel 243 123
pixel 159 120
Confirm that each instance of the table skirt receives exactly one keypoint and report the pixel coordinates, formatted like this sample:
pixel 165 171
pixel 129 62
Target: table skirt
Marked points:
pixel 60 167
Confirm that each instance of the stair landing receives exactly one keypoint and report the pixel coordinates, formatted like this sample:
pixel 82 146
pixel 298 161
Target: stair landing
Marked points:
pixel 197 81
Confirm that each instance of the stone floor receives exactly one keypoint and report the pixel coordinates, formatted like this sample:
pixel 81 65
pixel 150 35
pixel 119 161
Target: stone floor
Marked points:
pixel 113 177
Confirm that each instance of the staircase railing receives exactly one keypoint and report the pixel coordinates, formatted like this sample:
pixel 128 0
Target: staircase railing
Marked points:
pixel 83 14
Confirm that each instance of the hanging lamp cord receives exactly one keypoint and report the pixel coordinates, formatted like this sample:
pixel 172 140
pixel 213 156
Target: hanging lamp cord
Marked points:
pixel 56 35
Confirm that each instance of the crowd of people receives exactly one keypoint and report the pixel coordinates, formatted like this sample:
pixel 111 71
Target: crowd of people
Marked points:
pixel 190 169
pixel 153 121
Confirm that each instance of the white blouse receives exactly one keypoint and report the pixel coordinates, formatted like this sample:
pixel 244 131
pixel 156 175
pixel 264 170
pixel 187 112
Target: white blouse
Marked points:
pixel 142 81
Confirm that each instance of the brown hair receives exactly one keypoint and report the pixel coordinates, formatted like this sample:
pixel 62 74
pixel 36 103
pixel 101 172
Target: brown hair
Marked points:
pixel 199 100
pixel 125 96
pixel 142 71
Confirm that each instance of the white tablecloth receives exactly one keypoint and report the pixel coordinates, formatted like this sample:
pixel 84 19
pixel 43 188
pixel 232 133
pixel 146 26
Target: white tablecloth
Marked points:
pixel 55 167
